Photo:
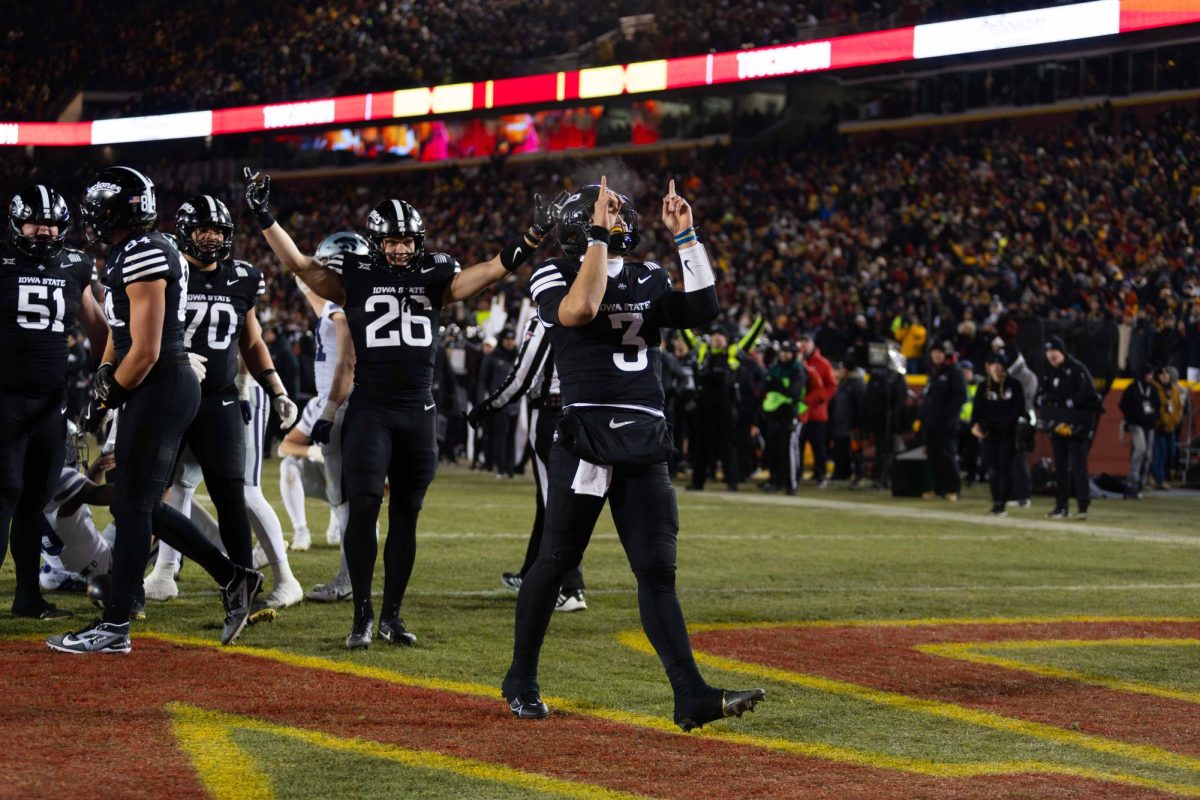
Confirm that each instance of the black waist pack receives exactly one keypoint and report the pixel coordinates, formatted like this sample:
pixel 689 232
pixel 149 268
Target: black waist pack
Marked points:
pixel 614 436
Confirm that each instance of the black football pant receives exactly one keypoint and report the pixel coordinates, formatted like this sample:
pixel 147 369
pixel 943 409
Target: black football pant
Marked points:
pixel 642 503
pixel 816 436
pixel 150 429
pixel 998 451
pixel 781 433
pixel 1071 471
pixel 33 432
pixel 217 438
pixel 396 441
pixel 712 438
pixel 940 445
pixel 542 422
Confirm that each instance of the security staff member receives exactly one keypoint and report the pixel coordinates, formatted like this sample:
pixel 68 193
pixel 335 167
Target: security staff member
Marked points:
pixel 999 405
pixel 944 397
pixel 1070 408
pixel 782 405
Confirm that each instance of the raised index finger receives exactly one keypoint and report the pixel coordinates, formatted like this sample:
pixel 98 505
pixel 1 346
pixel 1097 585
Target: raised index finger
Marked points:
pixel 603 186
pixel 671 187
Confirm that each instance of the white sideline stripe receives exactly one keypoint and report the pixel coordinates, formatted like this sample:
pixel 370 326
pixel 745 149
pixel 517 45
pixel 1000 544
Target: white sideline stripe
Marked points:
pixel 627 591
pixel 1086 529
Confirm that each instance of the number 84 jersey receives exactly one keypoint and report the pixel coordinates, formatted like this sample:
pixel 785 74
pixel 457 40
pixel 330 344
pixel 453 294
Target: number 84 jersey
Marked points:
pixel 393 316
pixel 39 299
pixel 214 315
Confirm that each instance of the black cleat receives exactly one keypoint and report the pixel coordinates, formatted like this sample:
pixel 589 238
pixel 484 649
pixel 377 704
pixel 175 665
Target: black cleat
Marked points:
pixel 238 598
pixel 261 612
pixel 714 704
pixel 360 633
pixel 528 705
pixel 42 609
pixel 393 631
pixel 511 580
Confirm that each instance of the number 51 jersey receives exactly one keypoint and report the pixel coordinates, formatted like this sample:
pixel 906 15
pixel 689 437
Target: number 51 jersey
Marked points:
pixel 394 316
pixel 215 313
pixel 39 299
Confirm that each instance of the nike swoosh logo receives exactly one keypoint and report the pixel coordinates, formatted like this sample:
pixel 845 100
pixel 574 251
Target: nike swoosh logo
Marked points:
pixel 612 423
pixel 516 252
pixel 687 265
pixel 228 402
pixel 643 280
pixel 231 283
pixel 431 405
pixel 62 410
pixel 427 269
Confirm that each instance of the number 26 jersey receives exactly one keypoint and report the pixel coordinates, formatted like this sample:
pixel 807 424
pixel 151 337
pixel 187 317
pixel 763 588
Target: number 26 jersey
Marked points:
pixel 394 317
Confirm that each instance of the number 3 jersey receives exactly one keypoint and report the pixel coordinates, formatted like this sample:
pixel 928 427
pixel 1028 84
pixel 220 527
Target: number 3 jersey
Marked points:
pixel 615 360
pixel 142 258
pixel 214 315
pixel 39 300
pixel 393 315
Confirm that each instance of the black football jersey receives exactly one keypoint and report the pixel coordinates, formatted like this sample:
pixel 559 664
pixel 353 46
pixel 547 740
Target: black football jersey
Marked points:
pixel 146 257
pixel 214 315
pixel 393 317
pixel 39 300
pixel 615 358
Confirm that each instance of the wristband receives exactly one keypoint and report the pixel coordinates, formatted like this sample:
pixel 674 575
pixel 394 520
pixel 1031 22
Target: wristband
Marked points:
pixel 263 217
pixel 518 250
pixel 685 236
pixel 697 271
pixel 598 234
pixel 262 378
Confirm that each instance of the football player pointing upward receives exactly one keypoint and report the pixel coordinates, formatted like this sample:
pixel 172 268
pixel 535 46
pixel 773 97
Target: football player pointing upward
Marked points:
pixel 392 298
pixel 603 316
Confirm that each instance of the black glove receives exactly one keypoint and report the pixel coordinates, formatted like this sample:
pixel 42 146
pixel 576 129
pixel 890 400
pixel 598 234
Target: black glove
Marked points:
pixel 94 414
pixel 106 390
pixel 476 415
pixel 247 411
pixel 322 431
pixel 545 217
pixel 258 197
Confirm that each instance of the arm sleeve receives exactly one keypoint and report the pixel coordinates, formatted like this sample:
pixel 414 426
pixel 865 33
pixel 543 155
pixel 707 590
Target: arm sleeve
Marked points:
pixel 531 358
pixel 688 309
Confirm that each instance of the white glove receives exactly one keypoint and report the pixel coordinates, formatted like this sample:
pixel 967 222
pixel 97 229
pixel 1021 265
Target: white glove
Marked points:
pixel 315 454
pixel 285 409
pixel 197 363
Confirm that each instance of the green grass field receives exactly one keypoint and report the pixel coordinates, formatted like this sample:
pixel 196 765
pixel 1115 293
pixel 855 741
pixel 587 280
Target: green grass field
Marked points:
pixel 831 555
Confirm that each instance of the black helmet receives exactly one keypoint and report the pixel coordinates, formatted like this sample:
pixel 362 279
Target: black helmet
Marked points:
pixel 38 205
pixel 119 197
pixel 396 219
pixel 342 242
pixel 204 211
pixel 575 217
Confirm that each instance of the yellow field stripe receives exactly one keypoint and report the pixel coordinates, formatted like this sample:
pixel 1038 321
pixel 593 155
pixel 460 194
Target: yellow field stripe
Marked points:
pixel 970 651
pixel 193 722
pixel 227 771
pixel 1143 753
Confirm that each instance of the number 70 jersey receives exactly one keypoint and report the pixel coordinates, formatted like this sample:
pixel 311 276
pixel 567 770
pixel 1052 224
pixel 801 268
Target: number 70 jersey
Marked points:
pixel 394 316
pixel 215 314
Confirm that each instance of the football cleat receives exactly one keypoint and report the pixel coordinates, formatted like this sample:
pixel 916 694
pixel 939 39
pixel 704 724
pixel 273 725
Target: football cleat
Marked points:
pixel 1058 513
pixel 301 540
pixel 714 704
pixel 1081 516
pixel 360 632
pixel 42 609
pixel 99 637
pixel 333 534
pixel 258 558
pixel 571 602
pixel 238 598
pixel 284 594
pixel 160 584
pixel 511 580
pixel 394 631
pixel 528 705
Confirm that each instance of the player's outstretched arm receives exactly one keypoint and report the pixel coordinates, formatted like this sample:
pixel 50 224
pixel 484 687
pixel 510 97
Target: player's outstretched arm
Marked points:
pixel 697 304
pixel 477 277
pixel 323 281
pixel 582 302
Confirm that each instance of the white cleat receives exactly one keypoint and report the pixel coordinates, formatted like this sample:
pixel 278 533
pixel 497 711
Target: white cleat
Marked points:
pixel 571 602
pixel 333 534
pixel 285 594
pixel 160 585
pixel 301 540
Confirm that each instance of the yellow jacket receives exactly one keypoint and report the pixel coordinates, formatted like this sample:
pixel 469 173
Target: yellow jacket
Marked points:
pixel 912 339
pixel 1170 404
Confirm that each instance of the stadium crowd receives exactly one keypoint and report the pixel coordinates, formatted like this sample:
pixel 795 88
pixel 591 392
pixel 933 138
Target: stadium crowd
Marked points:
pixel 213 55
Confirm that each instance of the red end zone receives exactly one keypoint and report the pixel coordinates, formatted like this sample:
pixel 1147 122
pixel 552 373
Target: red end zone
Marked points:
pixel 105 718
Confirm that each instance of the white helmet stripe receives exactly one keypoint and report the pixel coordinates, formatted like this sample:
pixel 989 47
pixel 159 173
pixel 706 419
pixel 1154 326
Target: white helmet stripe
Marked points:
pixel 48 209
pixel 400 214
pixel 140 175
pixel 212 205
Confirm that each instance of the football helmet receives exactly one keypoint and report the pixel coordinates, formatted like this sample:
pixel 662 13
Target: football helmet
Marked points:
pixel 119 197
pixel 396 219
pixel 204 211
pixel 342 242
pixel 38 205
pixel 575 217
